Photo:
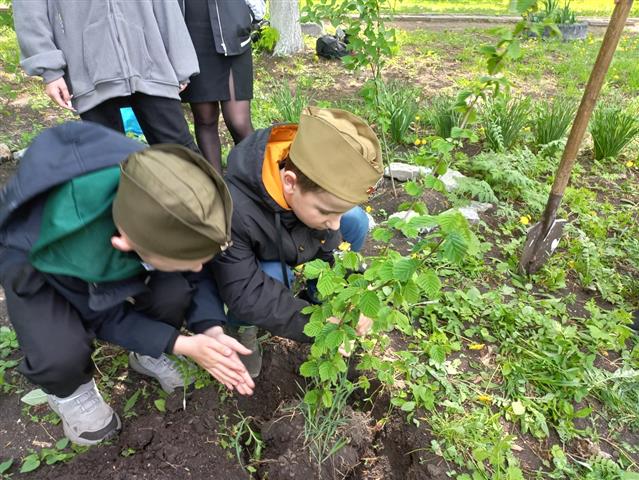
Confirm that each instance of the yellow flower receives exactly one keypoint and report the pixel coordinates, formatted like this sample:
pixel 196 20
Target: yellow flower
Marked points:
pixel 418 141
pixel 476 346
pixel 487 399
pixel 368 209
pixel 344 246
pixel 525 220
pixel 630 164
pixel 417 118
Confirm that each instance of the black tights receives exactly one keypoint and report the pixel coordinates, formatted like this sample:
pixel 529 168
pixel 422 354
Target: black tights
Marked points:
pixel 237 117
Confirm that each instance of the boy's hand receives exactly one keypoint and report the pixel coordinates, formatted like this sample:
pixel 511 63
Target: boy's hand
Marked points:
pixel 59 93
pixel 364 326
pixel 217 354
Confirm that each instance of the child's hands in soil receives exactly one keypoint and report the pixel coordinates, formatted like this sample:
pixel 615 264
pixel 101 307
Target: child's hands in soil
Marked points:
pixel 217 353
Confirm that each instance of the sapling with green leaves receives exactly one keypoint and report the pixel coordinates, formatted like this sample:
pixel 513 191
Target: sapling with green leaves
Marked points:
pixel 390 290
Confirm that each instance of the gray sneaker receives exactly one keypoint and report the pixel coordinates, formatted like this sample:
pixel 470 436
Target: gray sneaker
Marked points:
pixel 163 369
pixel 247 336
pixel 86 417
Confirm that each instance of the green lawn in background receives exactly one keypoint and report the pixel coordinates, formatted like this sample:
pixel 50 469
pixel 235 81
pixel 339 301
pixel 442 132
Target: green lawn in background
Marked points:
pixel 497 7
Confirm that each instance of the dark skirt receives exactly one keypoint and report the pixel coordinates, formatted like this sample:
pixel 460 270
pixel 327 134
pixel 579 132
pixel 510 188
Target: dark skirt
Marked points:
pixel 212 84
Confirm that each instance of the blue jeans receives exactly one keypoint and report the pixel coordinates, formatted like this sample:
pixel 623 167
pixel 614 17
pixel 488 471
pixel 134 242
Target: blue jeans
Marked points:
pixel 354 229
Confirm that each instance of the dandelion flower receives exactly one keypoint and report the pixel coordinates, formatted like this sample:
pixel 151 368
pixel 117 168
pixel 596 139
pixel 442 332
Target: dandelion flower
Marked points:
pixel 417 142
pixel 487 399
pixel 344 246
pixel 417 118
pixel 368 209
pixel 476 346
pixel 525 220
pixel 630 164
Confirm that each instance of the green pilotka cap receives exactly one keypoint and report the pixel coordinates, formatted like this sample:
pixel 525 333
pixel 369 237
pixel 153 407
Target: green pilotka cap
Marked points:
pixel 339 152
pixel 171 202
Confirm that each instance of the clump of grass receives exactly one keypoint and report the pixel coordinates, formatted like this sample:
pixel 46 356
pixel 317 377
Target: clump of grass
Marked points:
pixel 551 123
pixel 612 129
pixel 442 116
pixel 289 105
pixel 399 104
pixel 503 119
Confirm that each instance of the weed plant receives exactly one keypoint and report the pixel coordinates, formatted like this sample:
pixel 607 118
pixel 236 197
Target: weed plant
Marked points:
pixel 398 106
pixel 289 105
pixel 612 129
pixel 442 116
pixel 503 119
pixel 550 125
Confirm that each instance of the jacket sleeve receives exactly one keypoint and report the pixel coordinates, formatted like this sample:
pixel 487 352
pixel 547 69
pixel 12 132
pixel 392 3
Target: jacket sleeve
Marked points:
pixel 258 8
pixel 176 38
pixel 206 308
pixel 254 297
pixel 39 53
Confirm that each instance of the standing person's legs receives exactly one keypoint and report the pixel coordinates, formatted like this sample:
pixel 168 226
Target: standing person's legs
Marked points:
pixel 354 228
pixel 162 120
pixel 107 114
pixel 206 117
pixel 237 115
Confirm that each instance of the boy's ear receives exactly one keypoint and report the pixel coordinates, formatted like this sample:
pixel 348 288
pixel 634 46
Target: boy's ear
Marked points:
pixel 121 243
pixel 289 181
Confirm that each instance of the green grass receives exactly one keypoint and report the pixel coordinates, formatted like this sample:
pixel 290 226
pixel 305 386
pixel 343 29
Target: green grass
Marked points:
pixel 500 7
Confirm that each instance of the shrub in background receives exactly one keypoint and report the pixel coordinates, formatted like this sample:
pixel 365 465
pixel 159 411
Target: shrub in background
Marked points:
pixel 612 129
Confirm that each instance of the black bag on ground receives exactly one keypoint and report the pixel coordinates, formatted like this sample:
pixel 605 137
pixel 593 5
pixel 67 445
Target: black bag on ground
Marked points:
pixel 329 46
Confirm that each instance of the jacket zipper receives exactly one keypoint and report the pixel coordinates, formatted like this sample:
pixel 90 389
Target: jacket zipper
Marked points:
pixel 122 59
pixel 219 22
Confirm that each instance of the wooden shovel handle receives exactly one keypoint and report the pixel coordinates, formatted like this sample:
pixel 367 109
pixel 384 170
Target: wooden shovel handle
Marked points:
pixel 608 47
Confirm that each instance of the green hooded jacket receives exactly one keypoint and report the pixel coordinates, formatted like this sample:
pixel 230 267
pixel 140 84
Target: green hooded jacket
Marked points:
pixel 76 230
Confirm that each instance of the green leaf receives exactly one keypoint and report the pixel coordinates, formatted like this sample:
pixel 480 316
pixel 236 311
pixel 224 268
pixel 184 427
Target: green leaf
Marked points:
pixel 350 260
pixel 404 268
pixel 30 463
pixel 160 404
pixel 430 283
pixel 34 397
pixel 327 371
pixel 328 283
pixel 383 235
pixel 130 403
pixel 408 406
pixel 413 189
pixel 518 408
pixel 334 339
pixel 313 268
pixel 313 328
pixel 411 292
pixel 327 398
pixel 437 353
pixel 62 443
pixel 6 465
pixel 309 368
pixel 454 247
pixel 369 304
pixel 312 397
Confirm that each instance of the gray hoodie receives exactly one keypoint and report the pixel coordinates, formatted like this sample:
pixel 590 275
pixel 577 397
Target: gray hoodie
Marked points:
pixel 106 48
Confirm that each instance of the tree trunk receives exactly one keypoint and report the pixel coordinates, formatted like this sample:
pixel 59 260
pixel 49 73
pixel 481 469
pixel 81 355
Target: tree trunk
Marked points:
pixel 285 18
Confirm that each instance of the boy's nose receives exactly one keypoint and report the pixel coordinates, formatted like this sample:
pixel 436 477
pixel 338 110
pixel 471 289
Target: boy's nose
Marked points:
pixel 333 223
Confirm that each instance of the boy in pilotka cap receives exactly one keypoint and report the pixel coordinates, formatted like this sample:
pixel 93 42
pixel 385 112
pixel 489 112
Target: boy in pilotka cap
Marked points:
pixel 295 191
pixel 102 237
